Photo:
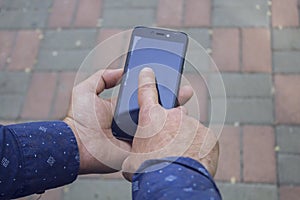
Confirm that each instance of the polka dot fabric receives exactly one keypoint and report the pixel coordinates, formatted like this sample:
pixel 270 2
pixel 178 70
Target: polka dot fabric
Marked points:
pixel 175 178
pixel 36 156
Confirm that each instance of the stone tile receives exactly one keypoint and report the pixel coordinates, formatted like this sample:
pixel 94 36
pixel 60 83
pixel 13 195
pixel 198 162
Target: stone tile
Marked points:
pixel 285 13
pixel 287 99
pixel 19 19
pixel 288 169
pixel 259 140
pixel 197 13
pixel 169 13
pixel 93 8
pixel 288 138
pixel 63 95
pixel 253 111
pixel 240 13
pixel 53 194
pixel 289 192
pixel 243 85
pixel 130 4
pixel 98 189
pixel 256 48
pixel 115 18
pixel 286 61
pixel 226 49
pixel 61 60
pixel 38 101
pixel 62 13
pixel 229 165
pixel 248 191
pixel 6 44
pixel 197 61
pixel 200 35
pixel 14 82
pixel 25 51
pixel 10 106
pixel 69 39
pixel 286 39
pixel 27 4
pixel 105 33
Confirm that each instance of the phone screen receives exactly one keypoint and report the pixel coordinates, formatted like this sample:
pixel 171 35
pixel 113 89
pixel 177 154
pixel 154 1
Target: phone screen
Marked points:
pixel 166 57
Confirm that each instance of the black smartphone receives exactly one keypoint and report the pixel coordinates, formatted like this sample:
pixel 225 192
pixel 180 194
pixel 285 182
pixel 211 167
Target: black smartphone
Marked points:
pixel 163 51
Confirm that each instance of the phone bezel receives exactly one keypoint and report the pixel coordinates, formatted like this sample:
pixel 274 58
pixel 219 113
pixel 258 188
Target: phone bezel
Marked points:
pixel 154 33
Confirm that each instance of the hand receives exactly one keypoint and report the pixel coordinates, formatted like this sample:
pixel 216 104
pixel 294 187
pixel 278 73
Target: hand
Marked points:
pixel 90 118
pixel 163 133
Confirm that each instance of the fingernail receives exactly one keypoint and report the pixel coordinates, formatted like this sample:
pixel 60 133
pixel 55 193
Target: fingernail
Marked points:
pixel 147 69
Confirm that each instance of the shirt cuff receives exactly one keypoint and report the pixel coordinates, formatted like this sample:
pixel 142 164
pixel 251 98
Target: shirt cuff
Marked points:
pixel 174 177
pixel 50 156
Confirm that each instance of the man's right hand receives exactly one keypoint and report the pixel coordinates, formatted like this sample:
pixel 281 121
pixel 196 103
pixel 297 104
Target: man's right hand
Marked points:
pixel 164 133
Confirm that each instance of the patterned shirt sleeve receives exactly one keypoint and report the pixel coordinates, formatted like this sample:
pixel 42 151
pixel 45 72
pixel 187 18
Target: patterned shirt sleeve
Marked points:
pixel 35 157
pixel 175 178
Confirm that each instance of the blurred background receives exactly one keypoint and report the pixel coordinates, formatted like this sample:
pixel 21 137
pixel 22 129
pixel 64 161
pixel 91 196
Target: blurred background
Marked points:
pixel 255 44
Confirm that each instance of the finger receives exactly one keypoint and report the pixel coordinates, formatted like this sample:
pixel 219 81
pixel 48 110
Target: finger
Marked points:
pixel 112 77
pixel 185 93
pixel 147 92
pixel 103 79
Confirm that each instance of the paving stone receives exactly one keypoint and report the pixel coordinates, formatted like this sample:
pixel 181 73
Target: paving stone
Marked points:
pixel 243 85
pixel 130 4
pixel 120 18
pixel 98 189
pixel 285 13
pixel 200 35
pixel 289 192
pixel 63 60
pixel 286 61
pixel 62 13
pixel 197 61
pixel 256 48
pixel 10 106
pixel 13 82
pixel 25 51
pixel 226 49
pixel 28 4
pixel 249 111
pixel 236 13
pixel 93 8
pixel 63 95
pixel 53 194
pixel 288 169
pixel 259 163
pixel 288 138
pixel 19 19
pixel 69 39
pixel 229 165
pixel 37 103
pixel 248 191
pixel 106 33
pixel 287 99
pixel 169 13
pixel 197 13
pixel 6 43
pixel 286 39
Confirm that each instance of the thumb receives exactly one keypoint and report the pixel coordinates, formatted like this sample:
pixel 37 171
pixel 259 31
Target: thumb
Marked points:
pixel 147 92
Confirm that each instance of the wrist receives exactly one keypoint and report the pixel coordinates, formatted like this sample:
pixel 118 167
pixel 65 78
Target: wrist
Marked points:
pixel 82 168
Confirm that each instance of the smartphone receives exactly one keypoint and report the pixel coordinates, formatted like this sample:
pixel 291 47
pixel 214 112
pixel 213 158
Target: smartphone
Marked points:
pixel 163 51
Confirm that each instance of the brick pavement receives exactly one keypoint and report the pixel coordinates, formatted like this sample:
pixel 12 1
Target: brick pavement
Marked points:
pixel 254 43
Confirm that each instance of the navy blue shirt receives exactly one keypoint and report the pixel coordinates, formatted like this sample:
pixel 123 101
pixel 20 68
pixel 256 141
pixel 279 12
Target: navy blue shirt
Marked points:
pixel 38 156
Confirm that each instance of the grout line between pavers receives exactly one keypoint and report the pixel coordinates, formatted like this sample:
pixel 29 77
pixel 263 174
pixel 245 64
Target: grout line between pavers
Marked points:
pixel 241 154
